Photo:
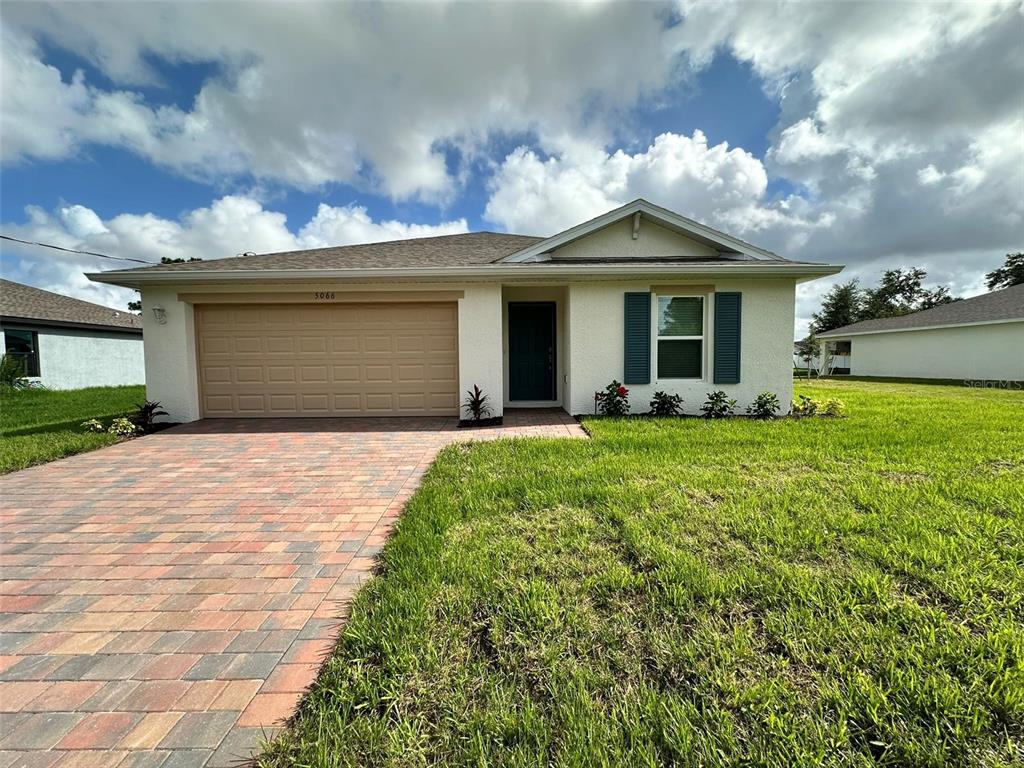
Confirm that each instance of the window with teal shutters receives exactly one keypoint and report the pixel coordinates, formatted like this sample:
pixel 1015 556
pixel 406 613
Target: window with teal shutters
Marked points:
pixel 637 365
pixel 727 337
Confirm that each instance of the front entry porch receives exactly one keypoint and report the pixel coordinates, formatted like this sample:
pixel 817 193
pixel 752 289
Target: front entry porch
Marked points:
pixel 533 343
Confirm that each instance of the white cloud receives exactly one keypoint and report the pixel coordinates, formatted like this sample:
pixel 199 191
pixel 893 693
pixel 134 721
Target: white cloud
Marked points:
pixel 369 94
pixel 229 226
pixel 715 184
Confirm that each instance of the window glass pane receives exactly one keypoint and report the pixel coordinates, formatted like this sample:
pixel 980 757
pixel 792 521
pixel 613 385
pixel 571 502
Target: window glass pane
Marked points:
pixel 21 345
pixel 680 359
pixel 18 342
pixel 680 316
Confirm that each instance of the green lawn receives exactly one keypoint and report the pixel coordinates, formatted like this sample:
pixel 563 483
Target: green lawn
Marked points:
pixel 683 592
pixel 38 425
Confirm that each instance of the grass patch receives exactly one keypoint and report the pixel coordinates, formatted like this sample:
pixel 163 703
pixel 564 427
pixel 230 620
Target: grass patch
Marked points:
pixel 791 593
pixel 38 425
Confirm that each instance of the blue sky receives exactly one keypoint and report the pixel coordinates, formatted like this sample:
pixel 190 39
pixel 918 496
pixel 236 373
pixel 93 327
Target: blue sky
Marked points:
pixel 873 136
pixel 725 100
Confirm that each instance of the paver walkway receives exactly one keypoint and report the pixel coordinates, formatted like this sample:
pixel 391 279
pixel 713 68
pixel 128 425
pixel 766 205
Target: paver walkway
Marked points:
pixel 165 601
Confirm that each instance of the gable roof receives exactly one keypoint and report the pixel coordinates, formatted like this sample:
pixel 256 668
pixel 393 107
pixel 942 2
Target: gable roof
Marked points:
pixel 23 302
pixel 1006 305
pixel 480 254
pixel 662 216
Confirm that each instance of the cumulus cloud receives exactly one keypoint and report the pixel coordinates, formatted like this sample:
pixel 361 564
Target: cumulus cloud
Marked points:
pixel 229 226
pixel 718 185
pixel 367 94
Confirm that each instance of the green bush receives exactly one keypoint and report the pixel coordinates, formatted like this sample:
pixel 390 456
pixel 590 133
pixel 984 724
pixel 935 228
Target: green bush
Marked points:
pixel 12 372
pixel 765 406
pixel 664 404
pixel 614 401
pixel 718 405
pixel 123 427
pixel 834 407
pixel 805 406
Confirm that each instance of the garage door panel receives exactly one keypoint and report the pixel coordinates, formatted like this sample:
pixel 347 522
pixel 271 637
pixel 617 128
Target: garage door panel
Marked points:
pixel 331 360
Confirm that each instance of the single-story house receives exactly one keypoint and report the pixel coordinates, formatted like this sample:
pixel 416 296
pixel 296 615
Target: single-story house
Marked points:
pixel 640 294
pixel 975 339
pixel 66 343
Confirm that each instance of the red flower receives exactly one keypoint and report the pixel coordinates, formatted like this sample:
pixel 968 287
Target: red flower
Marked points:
pixel 622 391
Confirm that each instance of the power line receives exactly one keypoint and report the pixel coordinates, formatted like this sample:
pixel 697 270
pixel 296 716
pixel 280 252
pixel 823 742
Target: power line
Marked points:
pixel 74 250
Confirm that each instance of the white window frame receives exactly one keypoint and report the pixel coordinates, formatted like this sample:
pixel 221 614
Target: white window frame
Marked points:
pixel 703 338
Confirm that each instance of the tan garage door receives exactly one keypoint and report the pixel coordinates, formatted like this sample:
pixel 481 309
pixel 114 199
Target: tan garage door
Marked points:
pixel 328 360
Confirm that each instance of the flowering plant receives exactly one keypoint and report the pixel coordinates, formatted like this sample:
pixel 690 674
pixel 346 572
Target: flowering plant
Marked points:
pixel 614 401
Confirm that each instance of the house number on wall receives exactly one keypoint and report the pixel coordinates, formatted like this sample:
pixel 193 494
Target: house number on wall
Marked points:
pixel 323 295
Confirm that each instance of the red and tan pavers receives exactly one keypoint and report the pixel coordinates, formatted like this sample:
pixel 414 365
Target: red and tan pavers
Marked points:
pixel 169 599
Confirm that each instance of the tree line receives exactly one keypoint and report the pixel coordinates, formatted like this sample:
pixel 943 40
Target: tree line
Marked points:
pixel 899 292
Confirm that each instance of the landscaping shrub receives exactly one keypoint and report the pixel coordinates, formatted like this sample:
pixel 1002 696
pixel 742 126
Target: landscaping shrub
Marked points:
pixel 93 425
pixel 12 372
pixel 805 406
pixel 146 413
pixel 834 407
pixel 476 404
pixel 664 404
pixel 123 427
pixel 765 406
pixel 718 405
pixel 614 401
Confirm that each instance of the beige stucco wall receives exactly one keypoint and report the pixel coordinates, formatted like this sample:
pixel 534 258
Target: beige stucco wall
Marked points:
pixel 616 241
pixel 596 345
pixel 994 352
pixel 171 354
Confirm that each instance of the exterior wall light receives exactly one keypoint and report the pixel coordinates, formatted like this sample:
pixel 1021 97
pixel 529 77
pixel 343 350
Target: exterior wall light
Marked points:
pixel 161 315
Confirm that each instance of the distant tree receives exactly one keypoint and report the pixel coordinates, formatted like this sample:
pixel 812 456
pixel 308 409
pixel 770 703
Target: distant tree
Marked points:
pixel 895 294
pixel 1011 273
pixel 136 306
pixel 900 292
pixel 841 306
pixel 935 297
pixel 807 351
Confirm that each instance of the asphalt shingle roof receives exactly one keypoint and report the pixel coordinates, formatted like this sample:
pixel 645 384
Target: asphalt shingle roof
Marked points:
pixel 24 301
pixel 1005 304
pixel 466 250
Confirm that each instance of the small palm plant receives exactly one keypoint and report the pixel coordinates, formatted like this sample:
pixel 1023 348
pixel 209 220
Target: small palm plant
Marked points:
pixel 146 413
pixel 476 404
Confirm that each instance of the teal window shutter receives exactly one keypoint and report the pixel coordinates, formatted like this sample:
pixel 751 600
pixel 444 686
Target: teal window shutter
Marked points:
pixel 727 338
pixel 637 368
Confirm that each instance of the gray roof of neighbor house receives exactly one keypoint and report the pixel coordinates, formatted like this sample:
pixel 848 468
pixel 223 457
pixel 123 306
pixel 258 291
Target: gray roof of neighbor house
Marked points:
pixel 465 250
pixel 1003 305
pixel 23 302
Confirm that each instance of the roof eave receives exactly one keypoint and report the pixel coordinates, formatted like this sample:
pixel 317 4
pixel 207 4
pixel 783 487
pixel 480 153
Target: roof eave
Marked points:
pixel 137 279
pixel 839 333
pixel 658 214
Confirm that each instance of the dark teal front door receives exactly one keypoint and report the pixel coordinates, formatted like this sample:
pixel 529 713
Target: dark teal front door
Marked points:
pixel 531 350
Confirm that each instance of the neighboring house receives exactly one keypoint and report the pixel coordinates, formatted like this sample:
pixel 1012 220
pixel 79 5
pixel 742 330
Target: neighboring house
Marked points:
pixel 838 360
pixel 640 294
pixel 66 343
pixel 981 338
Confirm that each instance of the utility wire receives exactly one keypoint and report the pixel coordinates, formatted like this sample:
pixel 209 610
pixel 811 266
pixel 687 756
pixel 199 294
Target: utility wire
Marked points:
pixel 73 250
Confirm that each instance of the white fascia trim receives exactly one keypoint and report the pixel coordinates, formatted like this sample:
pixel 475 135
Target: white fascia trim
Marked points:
pixel 831 335
pixel 131 279
pixel 655 212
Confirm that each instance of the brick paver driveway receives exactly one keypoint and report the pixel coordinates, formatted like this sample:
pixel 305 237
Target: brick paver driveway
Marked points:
pixel 166 600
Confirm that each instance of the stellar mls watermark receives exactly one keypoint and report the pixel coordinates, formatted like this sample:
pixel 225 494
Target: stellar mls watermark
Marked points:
pixel 994 383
